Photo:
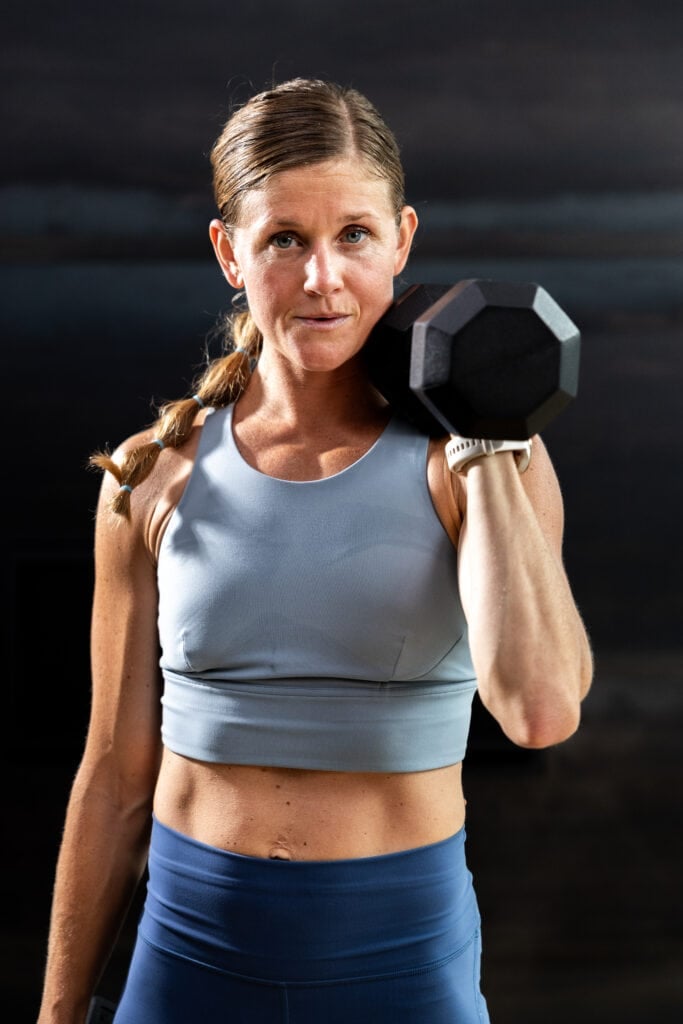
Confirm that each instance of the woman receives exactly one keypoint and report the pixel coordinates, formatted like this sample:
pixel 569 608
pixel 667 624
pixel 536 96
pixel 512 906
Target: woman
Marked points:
pixel 327 596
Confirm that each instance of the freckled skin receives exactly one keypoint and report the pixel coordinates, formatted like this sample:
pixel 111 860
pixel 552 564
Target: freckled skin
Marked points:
pixel 316 243
pixel 307 814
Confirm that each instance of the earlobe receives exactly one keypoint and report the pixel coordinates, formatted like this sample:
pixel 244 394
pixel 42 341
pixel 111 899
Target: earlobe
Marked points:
pixel 225 254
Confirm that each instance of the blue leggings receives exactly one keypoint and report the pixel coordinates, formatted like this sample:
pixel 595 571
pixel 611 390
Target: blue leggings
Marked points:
pixel 229 939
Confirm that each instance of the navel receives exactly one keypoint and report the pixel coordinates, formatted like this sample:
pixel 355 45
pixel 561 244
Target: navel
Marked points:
pixel 279 853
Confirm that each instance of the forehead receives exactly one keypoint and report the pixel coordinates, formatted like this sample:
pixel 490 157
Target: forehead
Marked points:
pixel 335 188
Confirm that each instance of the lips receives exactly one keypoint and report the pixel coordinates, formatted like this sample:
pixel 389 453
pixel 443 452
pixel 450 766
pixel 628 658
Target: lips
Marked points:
pixel 323 321
pixel 333 314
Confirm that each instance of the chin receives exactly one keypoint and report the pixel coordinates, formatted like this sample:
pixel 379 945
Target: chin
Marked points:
pixel 325 359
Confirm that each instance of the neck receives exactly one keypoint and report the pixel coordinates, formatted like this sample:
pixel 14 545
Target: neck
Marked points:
pixel 306 399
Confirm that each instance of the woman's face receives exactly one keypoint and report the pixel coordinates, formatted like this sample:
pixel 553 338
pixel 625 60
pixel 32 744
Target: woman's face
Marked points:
pixel 316 250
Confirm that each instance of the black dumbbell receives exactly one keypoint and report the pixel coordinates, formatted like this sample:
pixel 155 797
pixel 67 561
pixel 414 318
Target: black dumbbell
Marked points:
pixel 489 359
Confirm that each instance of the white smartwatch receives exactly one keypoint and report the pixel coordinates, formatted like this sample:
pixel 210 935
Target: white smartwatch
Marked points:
pixel 461 450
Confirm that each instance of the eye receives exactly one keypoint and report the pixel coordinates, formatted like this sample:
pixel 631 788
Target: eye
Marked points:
pixel 355 235
pixel 283 240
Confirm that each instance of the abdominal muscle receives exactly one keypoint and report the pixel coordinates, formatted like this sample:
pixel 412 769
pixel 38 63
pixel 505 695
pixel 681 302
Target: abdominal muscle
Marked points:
pixel 296 814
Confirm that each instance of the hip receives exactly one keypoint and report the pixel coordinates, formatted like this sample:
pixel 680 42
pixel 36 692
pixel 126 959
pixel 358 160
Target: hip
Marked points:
pixel 392 939
pixel 309 921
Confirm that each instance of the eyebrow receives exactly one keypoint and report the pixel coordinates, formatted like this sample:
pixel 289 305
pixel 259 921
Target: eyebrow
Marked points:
pixel 346 219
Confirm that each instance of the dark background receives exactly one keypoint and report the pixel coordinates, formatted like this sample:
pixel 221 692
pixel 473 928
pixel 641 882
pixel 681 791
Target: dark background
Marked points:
pixel 542 141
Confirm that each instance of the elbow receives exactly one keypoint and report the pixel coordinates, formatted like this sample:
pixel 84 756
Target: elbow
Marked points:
pixel 539 731
pixel 536 721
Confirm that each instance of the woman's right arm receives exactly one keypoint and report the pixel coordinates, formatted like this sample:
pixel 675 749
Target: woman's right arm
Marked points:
pixel 105 840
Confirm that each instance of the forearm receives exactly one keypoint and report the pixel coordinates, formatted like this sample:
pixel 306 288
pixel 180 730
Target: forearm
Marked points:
pixel 528 643
pixel 102 856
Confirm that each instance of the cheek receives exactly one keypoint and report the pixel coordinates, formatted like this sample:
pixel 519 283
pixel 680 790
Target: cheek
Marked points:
pixel 377 285
pixel 262 290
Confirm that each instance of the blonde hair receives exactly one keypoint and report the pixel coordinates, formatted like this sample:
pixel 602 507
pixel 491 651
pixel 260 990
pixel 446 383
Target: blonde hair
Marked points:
pixel 296 123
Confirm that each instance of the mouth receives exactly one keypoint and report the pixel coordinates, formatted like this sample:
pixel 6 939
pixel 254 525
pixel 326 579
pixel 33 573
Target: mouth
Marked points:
pixel 324 321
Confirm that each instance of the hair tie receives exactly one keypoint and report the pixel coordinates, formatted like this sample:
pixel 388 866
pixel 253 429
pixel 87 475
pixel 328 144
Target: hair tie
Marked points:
pixel 198 400
pixel 126 487
pixel 241 349
pixel 157 440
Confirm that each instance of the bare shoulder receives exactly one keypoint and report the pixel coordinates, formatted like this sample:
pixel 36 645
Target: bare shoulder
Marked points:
pixel 153 500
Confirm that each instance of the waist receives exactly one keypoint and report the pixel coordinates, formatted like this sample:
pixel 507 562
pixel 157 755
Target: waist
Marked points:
pixel 318 725
pixel 298 815
pixel 308 922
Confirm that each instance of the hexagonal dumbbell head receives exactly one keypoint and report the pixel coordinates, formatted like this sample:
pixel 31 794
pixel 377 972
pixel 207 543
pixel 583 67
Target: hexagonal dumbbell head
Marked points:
pixel 387 354
pixel 494 359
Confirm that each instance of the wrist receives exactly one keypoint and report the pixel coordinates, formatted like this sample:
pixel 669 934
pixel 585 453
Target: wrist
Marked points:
pixel 462 451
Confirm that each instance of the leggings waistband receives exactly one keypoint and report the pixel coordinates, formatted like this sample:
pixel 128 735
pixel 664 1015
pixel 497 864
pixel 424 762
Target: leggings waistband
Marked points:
pixel 308 921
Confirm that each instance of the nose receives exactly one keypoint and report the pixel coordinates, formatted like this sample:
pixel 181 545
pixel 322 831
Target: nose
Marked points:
pixel 323 271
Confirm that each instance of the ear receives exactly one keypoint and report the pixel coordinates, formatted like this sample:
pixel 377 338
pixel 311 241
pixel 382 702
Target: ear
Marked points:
pixel 406 230
pixel 225 254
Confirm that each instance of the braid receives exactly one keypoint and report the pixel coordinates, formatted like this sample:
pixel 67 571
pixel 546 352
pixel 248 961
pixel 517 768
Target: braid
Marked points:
pixel 223 381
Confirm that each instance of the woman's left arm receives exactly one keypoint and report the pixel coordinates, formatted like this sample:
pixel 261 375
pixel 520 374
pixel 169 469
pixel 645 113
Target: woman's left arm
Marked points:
pixel 529 646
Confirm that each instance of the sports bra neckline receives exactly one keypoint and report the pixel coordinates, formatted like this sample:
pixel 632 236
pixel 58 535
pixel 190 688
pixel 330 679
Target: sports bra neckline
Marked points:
pixel 356 464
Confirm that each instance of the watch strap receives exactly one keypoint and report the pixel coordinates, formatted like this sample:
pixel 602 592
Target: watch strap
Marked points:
pixel 461 450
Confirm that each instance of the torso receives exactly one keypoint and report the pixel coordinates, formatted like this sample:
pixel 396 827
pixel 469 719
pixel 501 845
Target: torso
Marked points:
pixel 293 813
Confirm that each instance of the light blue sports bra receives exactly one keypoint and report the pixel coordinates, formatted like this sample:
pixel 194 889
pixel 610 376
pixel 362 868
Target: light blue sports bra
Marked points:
pixel 313 624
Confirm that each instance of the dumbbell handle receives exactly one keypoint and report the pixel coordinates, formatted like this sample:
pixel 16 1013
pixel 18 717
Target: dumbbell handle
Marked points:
pixel 461 450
